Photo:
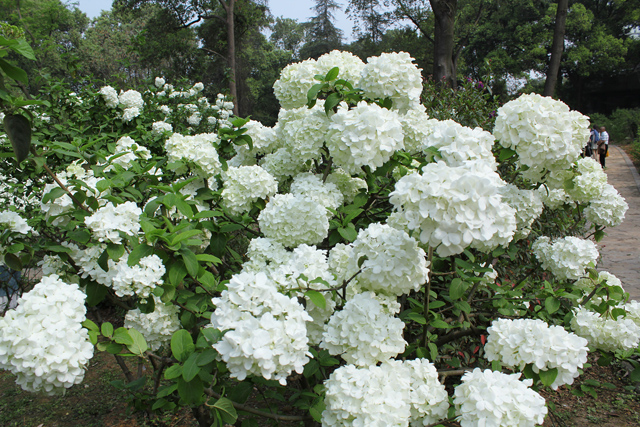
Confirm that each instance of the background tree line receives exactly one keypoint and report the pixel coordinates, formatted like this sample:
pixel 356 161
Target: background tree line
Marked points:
pixel 238 46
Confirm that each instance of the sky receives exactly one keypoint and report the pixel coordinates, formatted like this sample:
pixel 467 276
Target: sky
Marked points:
pixel 296 9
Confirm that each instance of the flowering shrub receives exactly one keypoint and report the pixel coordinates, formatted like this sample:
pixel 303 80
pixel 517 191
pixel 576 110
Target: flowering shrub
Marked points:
pixel 351 253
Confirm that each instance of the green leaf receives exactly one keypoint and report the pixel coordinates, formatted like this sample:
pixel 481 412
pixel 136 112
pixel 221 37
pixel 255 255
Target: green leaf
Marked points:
pixel 191 391
pixel 14 72
pixel 218 244
pixel 173 371
pixel 90 325
pixel 13 262
pixel 419 318
pixel 313 92
pixel 206 357
pixel 225 406
pixel 139 345
pixel 190 368
pixel 505 154
pixel 439 323
pixel 122 336
pixel 177 272
pixel 182 345
pixel 348 233
pixel 331 102
pixel 549 376
pixel 208 258
pixel 79 235
pixel 95 293
pixel 552 304
pixel 457 288
pixel 599 235
pixel 115 251
pixel 106 329
pixel 332 74
pixel 18 129
pixel 317 298
pixel 138 253
pixel 191 262
pixel 316 411
pixel 184 235
pixel 53 194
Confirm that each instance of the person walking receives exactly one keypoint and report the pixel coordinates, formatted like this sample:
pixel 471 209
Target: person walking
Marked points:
pixel 594 137
pixel 603 146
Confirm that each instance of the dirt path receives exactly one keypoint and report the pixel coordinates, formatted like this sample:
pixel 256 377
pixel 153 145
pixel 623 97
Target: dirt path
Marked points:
pixel 620 249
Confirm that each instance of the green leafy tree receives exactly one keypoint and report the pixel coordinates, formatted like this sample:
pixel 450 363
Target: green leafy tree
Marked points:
pixel 322 34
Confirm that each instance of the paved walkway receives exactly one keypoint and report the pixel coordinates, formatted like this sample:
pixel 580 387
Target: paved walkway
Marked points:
pixel 620 249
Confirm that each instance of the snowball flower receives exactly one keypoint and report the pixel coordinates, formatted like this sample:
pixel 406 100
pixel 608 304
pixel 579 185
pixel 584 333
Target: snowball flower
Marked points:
pixel 544 132
pixel 198 151
pixel 520 342
pixel 42 341
pixel 604 333
pixel 349 186
pixel 14 222
pixel 245 185
pixel 589 181
pixel 366 135
pixel 455 207
pixel 566 258
pixel 393 394
pixel 140 279
pixel 126 152
pixel 365 332
pixel 349 66
pixel 110 96
pixel 394 263
pixel 392 75
pixel 159 82
pixel 527 204
pixel 158 128
pixel 156 327
pixel 457 144
pixel 302 131
pixel 131 99
pixel 294 83
pixel 608 210
pixel 487 398
pixel 310 186
pixel 294 220
pixel 266 333
pixel 107 222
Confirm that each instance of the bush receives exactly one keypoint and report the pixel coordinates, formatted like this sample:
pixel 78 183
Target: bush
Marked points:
pixel 622 125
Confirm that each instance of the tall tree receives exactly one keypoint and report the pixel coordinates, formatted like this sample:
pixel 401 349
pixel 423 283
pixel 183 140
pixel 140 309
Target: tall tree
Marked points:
pixel 288 34
pixel 323 35
pixel 444 66
pixel 371 19
pixel 557 48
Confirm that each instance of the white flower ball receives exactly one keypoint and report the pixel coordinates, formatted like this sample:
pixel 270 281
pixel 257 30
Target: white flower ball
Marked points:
pixel 107 222
pixel 42 341
pixel 520 342
pixel 566 258
pixel 527 204
pixel 14 222
pixel 604 333
pixel 349 186
pixel 394 263
pixel 302 131
pixel 608 210
pixel 458 144
pixel 245 185
pixel 366 135
pixel 589 181
pixel 310 186
pixel 350 66
pixel 156 327
pixel 294 83
pixel 365 332
pixel 487 398
pixel 110 96
pixel 130 99
pixel 393 75
pixel 294 220
pixel 198 151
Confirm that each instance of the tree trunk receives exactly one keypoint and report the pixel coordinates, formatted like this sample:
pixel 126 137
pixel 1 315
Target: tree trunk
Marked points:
pixel 231 52
pixel 444 67
pixel 557 47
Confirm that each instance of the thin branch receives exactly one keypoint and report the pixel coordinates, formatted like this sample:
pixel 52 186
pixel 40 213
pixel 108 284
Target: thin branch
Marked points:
pixel 254 411
pixel 125 369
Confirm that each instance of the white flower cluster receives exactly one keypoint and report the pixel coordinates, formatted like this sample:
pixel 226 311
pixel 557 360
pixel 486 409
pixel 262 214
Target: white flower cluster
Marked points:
pixel 159 128
pixel 132 103
pixel 245 185
pixel 607 210
pixel 302 131
pixel 527 204
pixel 126 152
pixel 294 83
pixel 42 341
pixel 365 331
pixel 544 132
pixel 393 394
pixel 487 398
pixel 520 342
pixel 589 181
pixel 56 210
pixel 282 164
pixel 14 222
pixel 554 198
pixel 310 186
pixel 139 279
pixel 417 128
pixel 633 311
pixel 156 327
pixel 107 222
pixel 604 333
pixel 265 255
pixel 266 333
pixel 566 258
pixel 264 141
pixel 366 135
pixel 393 75
pixel 458 144
pixel 586 284
pixel 159 82
pixel 394 264
pixel 455 207
pixel 199 151
pixel 350 66
pixel 293 220
pixel 110 96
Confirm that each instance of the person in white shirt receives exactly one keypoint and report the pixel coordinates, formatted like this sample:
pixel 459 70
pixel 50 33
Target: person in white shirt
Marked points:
pixel 603 146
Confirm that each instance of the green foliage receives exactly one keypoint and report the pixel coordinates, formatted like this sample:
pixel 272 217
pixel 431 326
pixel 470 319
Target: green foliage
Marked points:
pixel 622 125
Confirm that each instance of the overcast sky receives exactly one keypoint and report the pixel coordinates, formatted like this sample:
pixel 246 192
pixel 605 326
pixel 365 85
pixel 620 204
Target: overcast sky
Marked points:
pixel 296 9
